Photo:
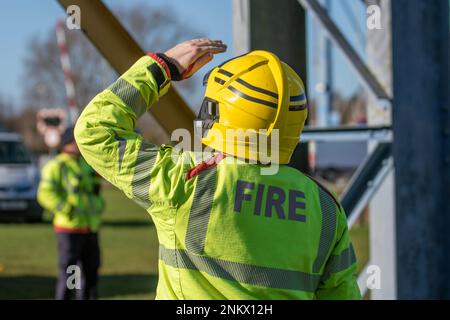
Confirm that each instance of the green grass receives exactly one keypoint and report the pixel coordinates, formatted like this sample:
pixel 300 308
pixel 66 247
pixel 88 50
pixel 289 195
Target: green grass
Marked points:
pixel 28 257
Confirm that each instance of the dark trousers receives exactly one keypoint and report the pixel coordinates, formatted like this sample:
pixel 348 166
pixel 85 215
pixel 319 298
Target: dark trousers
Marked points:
pixel 80 250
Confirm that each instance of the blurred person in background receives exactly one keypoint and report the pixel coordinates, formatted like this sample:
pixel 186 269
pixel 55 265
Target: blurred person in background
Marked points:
pixel 226 230
pixel 70 190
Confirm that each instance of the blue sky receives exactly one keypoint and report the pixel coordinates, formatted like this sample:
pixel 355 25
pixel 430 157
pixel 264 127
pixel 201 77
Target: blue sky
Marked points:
pixel 23 19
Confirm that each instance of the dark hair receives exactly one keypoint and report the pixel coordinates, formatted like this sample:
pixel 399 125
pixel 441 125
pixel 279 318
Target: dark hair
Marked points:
pixel 67 137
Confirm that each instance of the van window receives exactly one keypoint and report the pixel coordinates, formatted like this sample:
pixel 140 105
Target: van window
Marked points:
pixel 13 152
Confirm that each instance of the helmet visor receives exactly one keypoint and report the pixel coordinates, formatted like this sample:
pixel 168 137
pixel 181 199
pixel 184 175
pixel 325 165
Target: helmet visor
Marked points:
pixel 207 116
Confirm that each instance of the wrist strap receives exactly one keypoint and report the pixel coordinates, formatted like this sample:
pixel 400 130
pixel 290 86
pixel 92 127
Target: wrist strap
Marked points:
pixel 174 72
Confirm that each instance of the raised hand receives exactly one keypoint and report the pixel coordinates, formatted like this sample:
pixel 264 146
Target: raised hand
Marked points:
pixel 191 55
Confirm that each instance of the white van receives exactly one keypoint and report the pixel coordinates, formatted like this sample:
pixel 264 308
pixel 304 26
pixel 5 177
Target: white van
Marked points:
pixel 19 178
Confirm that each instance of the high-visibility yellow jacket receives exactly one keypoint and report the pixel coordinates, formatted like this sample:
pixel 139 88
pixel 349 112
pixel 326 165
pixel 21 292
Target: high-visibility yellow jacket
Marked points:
pixel 225 231
pixel 69 188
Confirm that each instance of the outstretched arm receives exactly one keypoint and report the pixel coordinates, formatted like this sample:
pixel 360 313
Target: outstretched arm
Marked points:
pixel 105 130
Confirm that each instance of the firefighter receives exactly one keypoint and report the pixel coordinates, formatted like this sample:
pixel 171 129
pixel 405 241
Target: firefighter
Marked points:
pixel 70 189
pixel 226 231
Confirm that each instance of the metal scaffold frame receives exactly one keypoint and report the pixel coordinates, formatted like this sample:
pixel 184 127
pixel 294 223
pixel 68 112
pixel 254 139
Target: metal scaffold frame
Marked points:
pixel 406 175
pixel 421 149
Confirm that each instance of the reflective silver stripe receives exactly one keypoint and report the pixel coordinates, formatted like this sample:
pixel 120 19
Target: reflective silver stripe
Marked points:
pixel 340 262
pixel 257 89
pixel 297 98
pixel 130 96
pixel 141 179
pixel 225 73
pixel 201 211
pixel 240 272
pixel 252 99
pixel 328 208
pixel 219 81
pixel 298 108
pixel 122 147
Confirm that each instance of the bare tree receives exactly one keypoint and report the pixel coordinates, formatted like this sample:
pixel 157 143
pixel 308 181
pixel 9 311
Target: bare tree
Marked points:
pixel 155 29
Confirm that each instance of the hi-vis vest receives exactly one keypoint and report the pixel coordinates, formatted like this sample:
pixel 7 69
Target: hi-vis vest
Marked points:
pixel 68 189
pixel 225 230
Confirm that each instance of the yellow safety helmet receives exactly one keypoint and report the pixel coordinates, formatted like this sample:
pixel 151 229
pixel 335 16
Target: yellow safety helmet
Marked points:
pixel 254 94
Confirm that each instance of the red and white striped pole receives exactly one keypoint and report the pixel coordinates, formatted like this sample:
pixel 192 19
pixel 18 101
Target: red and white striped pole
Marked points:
pixel 312 156
pixel 68 78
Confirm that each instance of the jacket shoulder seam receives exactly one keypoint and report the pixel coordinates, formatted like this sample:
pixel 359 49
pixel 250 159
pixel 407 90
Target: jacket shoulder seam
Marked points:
pixel 324 189
pixel 321 186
